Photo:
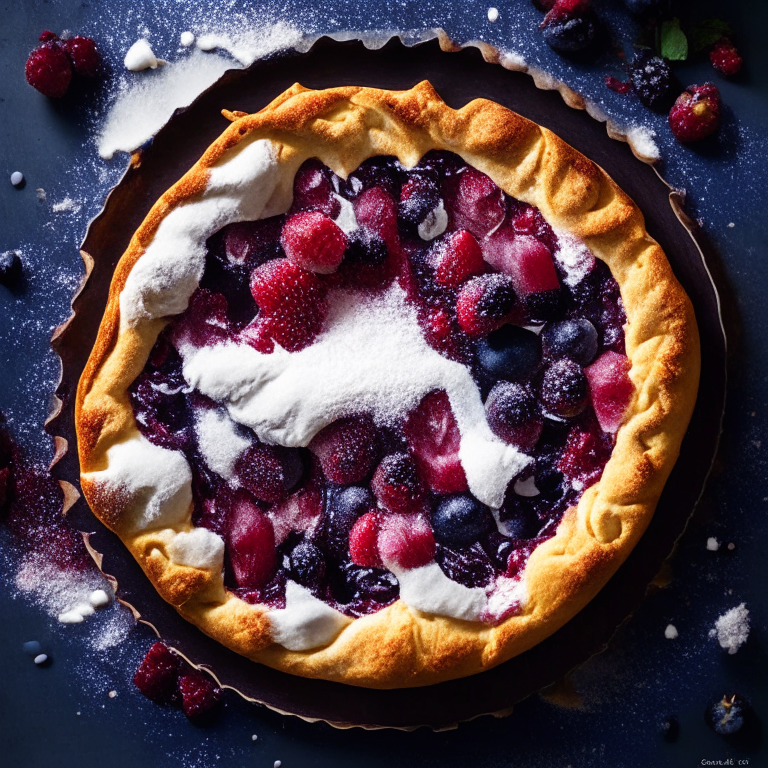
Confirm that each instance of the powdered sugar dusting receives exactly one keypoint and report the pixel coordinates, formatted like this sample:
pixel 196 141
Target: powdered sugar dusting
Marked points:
pixel 732 628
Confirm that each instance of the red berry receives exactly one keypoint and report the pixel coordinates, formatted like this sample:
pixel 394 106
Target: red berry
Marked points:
pixel 485 303
pixel 434 437
pixel 293 299
pixel 158 673
pixel 397 485
pixel 617 85
pixel 347 449
pixel 457 258
pixel 48 70
pixel 199 694
pixel 313 191
pixel 363 541
pixel 586 452
pixel 376 210
pixel 406 540
pixel 314 242
pixel 610 388
pixel 205 320
pixel 479 204
pixel 48 36
pixel 696 113
pixel 84 55
pixel 526 260
pixel 725 58
pixel 250 542
pixel 299 512
pixel 269 472
pixel 566 8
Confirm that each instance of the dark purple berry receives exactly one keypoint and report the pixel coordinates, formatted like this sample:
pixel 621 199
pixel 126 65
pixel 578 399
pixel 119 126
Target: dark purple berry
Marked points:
pixel 513 414
pixel 157 675
pixel 497 299
pixel 471 567
pixel 570 33
pixel 652 80
pixel 418 197
pixel 564 392
pixel 574 339
pixel 461 520
pixel 306 564
pixel 365 247
pixel 512 353
pixel 727 716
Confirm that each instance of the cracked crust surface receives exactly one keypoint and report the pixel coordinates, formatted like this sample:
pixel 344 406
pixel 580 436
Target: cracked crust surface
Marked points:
pixel 397 646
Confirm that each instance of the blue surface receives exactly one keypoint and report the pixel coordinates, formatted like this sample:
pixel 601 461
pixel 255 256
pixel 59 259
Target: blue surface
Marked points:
pixel 626 690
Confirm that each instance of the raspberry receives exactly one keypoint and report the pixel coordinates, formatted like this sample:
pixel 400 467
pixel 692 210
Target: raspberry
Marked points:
pixel 314 242
pixel 84 55
pixel 199 694
pixel 347 449
pixel 293 299
pixel 485 303
pixel 397 485
pixel 457 258
pixel 725 58
pixel 250 543
pixel 363 541
pixel 158 674
pixel 696 113
pixel 48 70
pixel 434 437
pixel 651 80
pixel 406 540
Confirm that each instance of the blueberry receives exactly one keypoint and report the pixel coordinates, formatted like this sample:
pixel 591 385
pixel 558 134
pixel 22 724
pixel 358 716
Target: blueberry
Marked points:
pixel 652 80
pixel 376 584
pixel 519 517
pixel 306 564
pixel 564 391
pixel 342 508
pixel 727 716
pixel 365 247
pixel 471 567
pixel 10 268
pixel 418 197
pixel 381 171
pixel 575 339
pixel 513 415
pixel 512 353
pixel 460 521
pixel 570 34
pixel 549 481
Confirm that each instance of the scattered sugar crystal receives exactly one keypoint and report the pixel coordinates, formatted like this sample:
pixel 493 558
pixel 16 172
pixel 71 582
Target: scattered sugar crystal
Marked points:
pixel 732 628
pixel 713 544
pixel 251 44
pixel 67 205
pixel 493 14
pixel 641 139
pixel 575 259
pixel 670 632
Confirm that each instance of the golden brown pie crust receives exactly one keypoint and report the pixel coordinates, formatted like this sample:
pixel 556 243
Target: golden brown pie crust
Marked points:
pixel 399 647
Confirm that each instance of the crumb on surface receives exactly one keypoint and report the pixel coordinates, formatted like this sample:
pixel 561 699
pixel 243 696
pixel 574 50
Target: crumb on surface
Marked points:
pixel 671 632
pixel 732 628
pixel 713 544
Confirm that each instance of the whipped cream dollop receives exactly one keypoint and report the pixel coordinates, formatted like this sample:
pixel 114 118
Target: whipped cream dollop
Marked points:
pixel 371 357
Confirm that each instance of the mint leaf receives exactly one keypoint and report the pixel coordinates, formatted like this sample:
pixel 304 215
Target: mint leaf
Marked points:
pixel 708 32
pixel 674 43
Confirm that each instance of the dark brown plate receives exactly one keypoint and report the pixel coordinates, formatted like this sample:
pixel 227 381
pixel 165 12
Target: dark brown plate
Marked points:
pixel 458 77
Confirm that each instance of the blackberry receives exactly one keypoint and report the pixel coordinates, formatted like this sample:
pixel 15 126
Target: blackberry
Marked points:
pixel 569 32
pixel 651 80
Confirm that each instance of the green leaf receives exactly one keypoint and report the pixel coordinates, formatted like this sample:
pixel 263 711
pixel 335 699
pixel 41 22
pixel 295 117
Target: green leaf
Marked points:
pixel 708 32
pixel 674 43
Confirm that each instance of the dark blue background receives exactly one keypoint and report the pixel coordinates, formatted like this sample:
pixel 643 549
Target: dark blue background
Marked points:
pixel 627 689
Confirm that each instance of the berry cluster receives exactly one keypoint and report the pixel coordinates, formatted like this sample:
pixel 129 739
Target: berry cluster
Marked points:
pixel 51 66
pixel 363 500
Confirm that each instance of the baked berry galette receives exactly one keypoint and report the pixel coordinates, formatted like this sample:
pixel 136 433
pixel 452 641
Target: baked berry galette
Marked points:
pixel 385 392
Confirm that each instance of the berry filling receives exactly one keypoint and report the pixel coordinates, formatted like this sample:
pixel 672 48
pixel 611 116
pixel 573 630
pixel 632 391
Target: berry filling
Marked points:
pixel 492 289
